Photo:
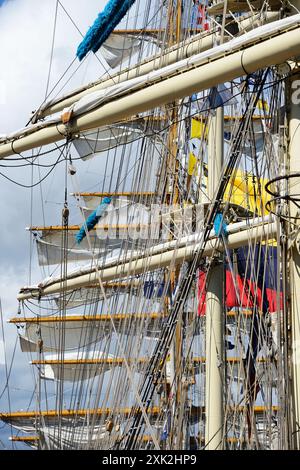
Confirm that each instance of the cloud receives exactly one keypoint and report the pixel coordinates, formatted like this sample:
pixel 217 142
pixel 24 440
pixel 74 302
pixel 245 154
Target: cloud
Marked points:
pixel 26 29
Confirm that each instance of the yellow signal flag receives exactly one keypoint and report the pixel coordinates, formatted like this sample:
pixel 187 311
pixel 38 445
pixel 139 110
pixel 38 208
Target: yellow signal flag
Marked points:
pixel 192 164
pixel 248 191
pixel 199 129
pixel 263 105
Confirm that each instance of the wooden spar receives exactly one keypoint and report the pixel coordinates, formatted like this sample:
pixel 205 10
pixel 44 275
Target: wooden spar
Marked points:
pixel 25 439
pixel 119 194
pixel 153 411
pixel 114 316
pixel 274 50
pixel 255 117
pixel 32 439
pixel 134 284
pixel 148 32
pixel 195 44
pixel 118 361
pixel 88 318
pixel 236 6
pixel 140 32
pixel 231 360
pixel 75 413
pixel 171 185
pixel 72 228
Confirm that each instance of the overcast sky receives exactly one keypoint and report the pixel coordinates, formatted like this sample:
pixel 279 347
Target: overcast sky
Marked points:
pixel 26 29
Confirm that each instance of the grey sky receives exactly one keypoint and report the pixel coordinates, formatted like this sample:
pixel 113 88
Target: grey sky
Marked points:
pixel 26 28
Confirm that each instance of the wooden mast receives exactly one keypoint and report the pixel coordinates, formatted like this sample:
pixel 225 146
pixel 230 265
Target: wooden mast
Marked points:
pixel 174 33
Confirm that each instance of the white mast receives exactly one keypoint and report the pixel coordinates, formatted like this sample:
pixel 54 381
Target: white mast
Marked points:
pixel 214 303
pixel 294 146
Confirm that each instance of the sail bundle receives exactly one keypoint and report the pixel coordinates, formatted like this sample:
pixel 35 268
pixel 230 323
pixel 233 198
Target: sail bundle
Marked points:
pixel 103 26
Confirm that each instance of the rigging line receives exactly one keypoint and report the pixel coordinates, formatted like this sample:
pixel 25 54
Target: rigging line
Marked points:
pixel 196 321
pixel 119 343
pixel 218 25
pixel 58 82
pixel 10 369
pixel 181 294
pixel 52 49
pixel 105 68
pixel 44 177
pixel 51 91
pixel 65 149
pixel 7 373
pixel 31 222
pixel 42 198
pixel 230 426
pixel 34 157
pixel 82 35
pixel 293 6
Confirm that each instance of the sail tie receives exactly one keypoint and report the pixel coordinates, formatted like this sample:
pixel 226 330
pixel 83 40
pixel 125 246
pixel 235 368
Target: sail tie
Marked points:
pixel 93 219
pixel 103 26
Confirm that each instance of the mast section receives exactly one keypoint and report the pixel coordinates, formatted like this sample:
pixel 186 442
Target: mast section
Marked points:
pixel 214 303
pixel 294 192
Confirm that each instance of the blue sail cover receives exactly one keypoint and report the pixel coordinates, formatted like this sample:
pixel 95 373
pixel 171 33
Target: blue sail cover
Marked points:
pixel 92 219
pixel 220 226
pixel 103 26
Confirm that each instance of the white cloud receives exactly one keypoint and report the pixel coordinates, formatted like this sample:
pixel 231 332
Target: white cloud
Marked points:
pixel 26 28
pixel 2 352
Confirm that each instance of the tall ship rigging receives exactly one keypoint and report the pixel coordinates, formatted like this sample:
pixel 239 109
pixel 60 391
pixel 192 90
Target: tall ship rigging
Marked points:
pixel 167 316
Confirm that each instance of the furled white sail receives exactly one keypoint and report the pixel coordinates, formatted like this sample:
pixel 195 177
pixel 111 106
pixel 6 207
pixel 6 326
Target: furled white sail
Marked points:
pixel 75 335
pixel 118 47
pixel 113 269
pixel 49 254
pixel 101 140
pixel 120 219
pixel 76 371
pixel 72 437
pixel 81 297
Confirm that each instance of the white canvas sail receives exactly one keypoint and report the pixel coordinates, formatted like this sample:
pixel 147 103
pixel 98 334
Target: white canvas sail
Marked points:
pixel 75 335
pixel 119 47
pixel 49 253
pixel 73 372
pixel 90 144
pixel 72 437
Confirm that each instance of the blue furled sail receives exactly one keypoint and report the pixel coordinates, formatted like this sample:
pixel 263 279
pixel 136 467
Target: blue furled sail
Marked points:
pixel 93 219
pixel 103 26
